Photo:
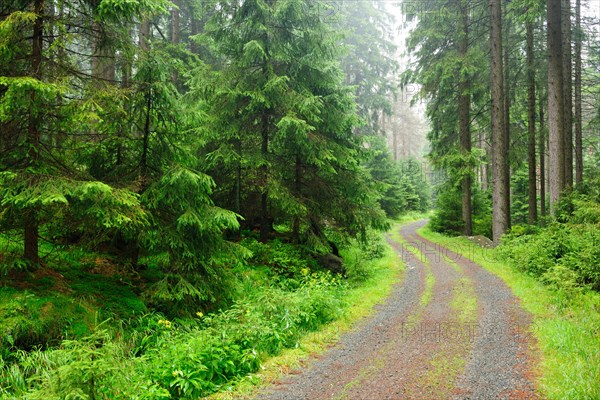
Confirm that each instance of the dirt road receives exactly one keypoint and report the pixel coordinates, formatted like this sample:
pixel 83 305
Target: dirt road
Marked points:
pixel 450 330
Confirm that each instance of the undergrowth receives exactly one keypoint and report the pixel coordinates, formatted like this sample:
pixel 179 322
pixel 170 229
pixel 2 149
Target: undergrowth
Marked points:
pixel 280 296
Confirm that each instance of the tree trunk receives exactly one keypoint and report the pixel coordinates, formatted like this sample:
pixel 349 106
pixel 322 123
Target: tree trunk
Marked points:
pixel 500 215
pixel 556 115
pixel 532 214
pixel 507 104
pixel 103 56
pixel 567 91
pixel 542 144
pixel 175 31
pixel 298 194
pixel 578 123
pixel 175 22
pixel 265 221
pixel 144 39
pixel 482 144
pixel 145 144
pixel 194 29
pixel 238 176
pixel 464 103
pixel 31 245
pixel 264 208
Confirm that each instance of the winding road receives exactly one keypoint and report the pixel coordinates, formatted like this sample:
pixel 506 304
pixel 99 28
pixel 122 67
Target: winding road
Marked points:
pixel 449 330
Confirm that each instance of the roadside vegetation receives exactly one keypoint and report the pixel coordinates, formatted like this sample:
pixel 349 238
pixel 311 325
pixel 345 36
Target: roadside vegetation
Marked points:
pixel 96 338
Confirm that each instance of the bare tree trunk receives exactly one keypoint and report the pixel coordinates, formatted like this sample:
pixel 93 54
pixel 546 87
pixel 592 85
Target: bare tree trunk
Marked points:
pixel 265 224
pixel 464 103
pixel 31 244
pixel 578 124
pixel 103 55
pixel 145 34
pixel 567 91
pixel 175 31
pixel 532 211
pixel 298 194
pixel 556 113
pixel 500 214
pixel 394 141
pixel 542 145
pixel 484 166
pixel 175 22
pixel 238 176
pixel 145 144
pixel 194 31
pixel 507 104
pixel 265 220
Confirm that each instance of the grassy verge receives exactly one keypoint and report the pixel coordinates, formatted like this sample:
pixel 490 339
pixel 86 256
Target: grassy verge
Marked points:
pixel 566 324
pixel 386 271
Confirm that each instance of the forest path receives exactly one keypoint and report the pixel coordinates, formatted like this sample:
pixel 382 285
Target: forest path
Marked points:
pixel 450 329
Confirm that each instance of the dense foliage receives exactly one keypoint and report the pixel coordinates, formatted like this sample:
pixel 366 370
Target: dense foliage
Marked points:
pixel 157 149
pixel 564 254
pixel 152 356
pixel 160 161
pixel 449 48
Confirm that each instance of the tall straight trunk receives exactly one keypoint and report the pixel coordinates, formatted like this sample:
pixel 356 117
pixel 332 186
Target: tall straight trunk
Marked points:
pixel 194 30
pixel 31 244
pixel 175 22
pixel 103 56
pixel 482 144
pixel 395 143
pixel 464 103
pixel 532 209
pixel 556 115
pixel 542 144
pixel 144 39
pixel 265 228
pixel 175 30
pixel 578 124
pixel 567 91
pixel 238 176
pixel 145 145
pixel 500 214
pixel 507 105
pixel 298 194
pixel 265 221
pixel 108 64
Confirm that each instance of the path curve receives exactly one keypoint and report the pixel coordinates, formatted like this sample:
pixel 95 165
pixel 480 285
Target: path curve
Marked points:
pixel 449 330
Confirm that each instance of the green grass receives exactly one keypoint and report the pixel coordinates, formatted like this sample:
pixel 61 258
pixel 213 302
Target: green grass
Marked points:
pixel 63 299
pixel 428 291
pixel 384 273
pixel 566 324
pixel 28 319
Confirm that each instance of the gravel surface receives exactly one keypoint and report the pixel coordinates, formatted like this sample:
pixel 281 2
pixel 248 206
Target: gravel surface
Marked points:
pixel 420 345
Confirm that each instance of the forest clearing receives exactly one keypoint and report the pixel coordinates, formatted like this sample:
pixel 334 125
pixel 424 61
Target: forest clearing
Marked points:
pixel 299 199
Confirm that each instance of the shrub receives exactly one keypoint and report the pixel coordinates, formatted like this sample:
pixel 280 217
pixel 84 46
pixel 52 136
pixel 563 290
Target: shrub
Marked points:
pixel 447 218
pixel 565 254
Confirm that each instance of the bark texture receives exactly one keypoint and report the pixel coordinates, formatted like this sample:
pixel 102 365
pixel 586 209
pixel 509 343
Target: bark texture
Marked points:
pixel 567 91
pixel 464 120
pixel 500 213
pixel 532 206
pixel 556 115
pixel 31 245
pixel 577 95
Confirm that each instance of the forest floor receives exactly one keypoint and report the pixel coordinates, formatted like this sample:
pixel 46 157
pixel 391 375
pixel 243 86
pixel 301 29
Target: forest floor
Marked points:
pixel 450 329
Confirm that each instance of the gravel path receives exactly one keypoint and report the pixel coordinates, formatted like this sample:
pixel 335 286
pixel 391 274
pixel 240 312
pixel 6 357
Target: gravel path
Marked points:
pixel 450 329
